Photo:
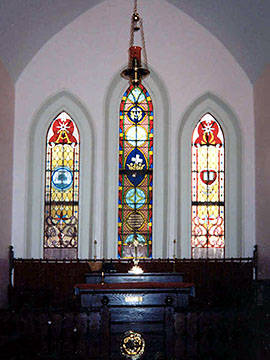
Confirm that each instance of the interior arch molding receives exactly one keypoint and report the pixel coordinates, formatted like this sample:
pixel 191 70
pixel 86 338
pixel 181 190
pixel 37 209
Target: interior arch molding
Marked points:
pixel 159 95
pixel 36 146
pixel 211 103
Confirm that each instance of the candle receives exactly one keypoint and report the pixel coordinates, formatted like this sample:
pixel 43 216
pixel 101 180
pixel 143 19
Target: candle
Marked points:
pixel 135 53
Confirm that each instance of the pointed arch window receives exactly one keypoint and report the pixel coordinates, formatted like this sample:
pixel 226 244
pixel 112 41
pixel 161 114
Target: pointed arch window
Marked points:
pixel 61 210
pixel 208 189
pixel 135 173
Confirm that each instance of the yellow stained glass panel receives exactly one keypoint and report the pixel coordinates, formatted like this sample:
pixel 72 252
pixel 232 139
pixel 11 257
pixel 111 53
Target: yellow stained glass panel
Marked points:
pixel 207 184
pixel 62 184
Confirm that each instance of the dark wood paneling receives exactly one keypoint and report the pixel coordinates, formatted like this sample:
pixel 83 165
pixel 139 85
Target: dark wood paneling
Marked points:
pixel 50 283
pixel 201 335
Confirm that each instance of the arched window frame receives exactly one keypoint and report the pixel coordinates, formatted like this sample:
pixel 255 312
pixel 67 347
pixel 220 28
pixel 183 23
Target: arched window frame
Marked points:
pixel 62 101
pixel 210 103
pixel 158 94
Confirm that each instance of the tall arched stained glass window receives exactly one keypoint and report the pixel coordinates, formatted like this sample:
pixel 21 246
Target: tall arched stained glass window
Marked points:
pixel 62 188
pixel 135 173
pixel 208 207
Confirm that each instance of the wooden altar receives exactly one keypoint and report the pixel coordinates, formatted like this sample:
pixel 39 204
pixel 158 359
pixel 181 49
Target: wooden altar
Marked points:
pixel 141 304
pixel 44 314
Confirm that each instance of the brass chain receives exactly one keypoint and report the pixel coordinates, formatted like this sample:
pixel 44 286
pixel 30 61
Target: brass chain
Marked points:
pixel 135 6
pixel 132 26
pixel 143 44
pixel 131 40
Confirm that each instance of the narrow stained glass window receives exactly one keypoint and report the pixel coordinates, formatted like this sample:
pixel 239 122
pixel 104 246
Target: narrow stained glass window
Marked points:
pixel 62 188
pixel 135 173
pixel 208 207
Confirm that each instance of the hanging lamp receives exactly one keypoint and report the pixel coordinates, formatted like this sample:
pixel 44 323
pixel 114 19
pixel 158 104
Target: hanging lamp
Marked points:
pixel 135 72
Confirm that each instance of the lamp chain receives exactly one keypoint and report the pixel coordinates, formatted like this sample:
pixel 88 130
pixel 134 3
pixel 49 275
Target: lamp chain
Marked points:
pixel 135 6
pixel 131 40
pixel 132 26
pixel 143 45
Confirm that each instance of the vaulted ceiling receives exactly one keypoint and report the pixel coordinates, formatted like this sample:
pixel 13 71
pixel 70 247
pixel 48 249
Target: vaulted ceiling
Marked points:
pixel 241 25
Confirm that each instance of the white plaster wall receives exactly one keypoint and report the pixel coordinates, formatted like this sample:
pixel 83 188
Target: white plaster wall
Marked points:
pixel 84 57
pixel 261 104
pixel 7 103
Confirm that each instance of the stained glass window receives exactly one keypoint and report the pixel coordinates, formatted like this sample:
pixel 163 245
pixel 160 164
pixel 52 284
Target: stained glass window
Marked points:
pixel 208 207
pixel 62 188
pixel 135 173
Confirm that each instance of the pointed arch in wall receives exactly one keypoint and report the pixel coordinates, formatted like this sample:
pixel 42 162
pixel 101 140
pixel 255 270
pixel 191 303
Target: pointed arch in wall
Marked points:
pixel 210 103
pixel 159 96
pixel 62 101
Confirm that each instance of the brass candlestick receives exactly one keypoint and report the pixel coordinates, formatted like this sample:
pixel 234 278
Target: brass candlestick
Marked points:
pixel 174 255
pixel 102 282
pixel 136 269
pixel 95 250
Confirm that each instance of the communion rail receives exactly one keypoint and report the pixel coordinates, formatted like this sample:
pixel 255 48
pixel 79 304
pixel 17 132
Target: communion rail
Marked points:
pixel 50 283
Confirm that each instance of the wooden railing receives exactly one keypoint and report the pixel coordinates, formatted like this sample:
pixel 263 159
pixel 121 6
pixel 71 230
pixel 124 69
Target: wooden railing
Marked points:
pixel 51 282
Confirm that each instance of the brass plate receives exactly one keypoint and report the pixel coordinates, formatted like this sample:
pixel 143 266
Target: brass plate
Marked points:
pixel 132 345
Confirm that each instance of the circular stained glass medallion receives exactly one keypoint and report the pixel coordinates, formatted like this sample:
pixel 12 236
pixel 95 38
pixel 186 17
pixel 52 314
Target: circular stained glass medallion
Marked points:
pixel 136 135
pixel 136 114
pixel 135 198
pixel 135 221
pixel 62 178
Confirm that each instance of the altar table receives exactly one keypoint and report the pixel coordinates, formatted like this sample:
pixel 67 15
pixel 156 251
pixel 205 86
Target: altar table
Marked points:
pixel 143 304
